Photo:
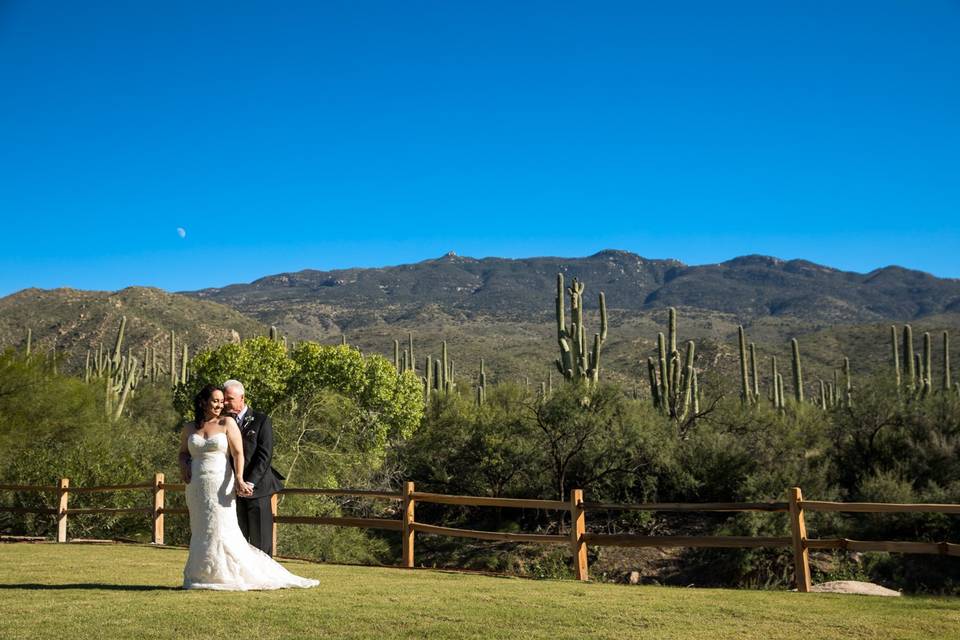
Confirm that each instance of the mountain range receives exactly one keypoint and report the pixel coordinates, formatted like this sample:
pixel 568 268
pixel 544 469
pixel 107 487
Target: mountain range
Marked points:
pixel 748 287
pixel 505 307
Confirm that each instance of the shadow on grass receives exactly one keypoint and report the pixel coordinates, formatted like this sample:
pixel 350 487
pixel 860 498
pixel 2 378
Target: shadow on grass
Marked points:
pixel 29 586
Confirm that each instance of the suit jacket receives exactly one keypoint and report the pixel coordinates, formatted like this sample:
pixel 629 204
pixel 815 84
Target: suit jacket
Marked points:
pixel 257 433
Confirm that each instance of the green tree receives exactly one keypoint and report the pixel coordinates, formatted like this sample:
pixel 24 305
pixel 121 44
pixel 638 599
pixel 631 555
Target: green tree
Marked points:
pixel 390 402
pixel 261 364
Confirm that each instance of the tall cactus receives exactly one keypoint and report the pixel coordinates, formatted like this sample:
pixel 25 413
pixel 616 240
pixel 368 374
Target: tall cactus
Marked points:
pixel 797 371
pixel 444 373
pixel 411 359
pixel 909 367
pixel 118 344
pixel 577 361
pixel 120 374
pixel 946 362
pixel 896 356
pixel 776 397
pixel 29 341
pixel 654 384
pixel 848 383
pixel 438 373
pixel 183 364
pixel 780 394
pixel 674 390
pixel 428 376
pixel 173 359
pixel 481 385
pixel 745 395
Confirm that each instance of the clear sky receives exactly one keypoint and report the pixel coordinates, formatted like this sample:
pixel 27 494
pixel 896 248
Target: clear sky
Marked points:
pixel 280 136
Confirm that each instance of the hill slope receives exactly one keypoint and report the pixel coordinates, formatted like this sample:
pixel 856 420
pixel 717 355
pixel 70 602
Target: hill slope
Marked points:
pixel 80 320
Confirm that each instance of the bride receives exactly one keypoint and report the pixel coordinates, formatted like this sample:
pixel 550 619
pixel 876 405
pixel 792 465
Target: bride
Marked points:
pixel 220 557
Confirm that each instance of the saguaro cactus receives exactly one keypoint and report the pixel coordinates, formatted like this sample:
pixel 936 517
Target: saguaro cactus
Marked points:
pixel 576 361
pixel 946 361
pixel 173 359
pixel 481 385
pixel 120 374
pixel 674 390
pixel 776 395
pixel 428 376
pixel 908 362
pixel 745 395
pixel 896 356
pixel 797 371
pixel 848 383
pixel 411 359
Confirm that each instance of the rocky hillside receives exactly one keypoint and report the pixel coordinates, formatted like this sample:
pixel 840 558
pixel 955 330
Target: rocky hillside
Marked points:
pixel 79 320
pixel 317 303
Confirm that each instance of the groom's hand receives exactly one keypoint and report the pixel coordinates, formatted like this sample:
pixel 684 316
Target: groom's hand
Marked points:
pixel 244 489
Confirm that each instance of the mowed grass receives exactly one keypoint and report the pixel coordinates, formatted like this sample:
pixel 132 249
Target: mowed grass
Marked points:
pixel 131 591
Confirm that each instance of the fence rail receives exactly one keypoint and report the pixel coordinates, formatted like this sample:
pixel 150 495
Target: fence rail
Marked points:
pixel 684 506
pixel 577 537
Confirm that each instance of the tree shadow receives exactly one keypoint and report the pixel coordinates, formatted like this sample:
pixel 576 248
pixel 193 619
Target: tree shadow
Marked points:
pixel 29 586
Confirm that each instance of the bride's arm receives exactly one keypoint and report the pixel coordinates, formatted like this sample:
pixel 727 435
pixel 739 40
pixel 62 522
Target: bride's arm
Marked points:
pixel 236 453
pixel 183 455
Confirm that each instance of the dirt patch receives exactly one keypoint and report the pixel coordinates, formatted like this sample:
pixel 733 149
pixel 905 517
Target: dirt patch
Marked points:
pixel 854 586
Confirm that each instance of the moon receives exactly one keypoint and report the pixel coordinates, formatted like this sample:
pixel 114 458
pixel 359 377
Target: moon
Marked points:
pixel 181 232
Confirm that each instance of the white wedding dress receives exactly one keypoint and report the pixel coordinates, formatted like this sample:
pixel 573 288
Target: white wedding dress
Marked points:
pixel 220 557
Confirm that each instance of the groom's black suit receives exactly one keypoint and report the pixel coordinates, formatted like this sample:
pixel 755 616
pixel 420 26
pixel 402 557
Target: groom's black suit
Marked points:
pixel 253 513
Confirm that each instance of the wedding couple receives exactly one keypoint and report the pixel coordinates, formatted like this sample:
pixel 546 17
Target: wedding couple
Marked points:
pixel 225 461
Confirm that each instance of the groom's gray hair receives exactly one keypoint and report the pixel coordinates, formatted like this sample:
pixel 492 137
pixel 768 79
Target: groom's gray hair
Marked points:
pixel 236 384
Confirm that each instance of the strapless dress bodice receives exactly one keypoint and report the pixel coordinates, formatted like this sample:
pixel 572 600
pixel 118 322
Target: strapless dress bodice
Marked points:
pixel 198 445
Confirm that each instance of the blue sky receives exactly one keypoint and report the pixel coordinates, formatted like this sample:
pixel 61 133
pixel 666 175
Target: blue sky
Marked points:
pixel 284 136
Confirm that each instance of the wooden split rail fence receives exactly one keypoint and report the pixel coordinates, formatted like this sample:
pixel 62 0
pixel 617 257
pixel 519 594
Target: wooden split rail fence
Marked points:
pixel 577 537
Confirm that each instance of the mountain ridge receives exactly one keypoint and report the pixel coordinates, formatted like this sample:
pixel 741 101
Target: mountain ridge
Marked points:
pixel 748 286
pixel 502 309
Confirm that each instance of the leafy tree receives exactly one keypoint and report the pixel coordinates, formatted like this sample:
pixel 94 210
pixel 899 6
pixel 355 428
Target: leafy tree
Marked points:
pixel 261 364
pixel 392 402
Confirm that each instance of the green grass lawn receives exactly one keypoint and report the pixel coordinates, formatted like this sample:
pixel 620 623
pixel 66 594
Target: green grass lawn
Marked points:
pixel 131 591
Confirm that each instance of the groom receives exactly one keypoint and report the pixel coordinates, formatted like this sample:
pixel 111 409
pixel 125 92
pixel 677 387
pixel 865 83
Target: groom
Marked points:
pixel 253 511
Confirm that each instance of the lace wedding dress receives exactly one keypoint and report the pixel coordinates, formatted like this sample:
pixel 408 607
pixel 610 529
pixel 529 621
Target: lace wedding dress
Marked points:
pixel 220 557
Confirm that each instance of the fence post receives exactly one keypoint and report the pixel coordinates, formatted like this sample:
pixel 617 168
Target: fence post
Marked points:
pixel 158 497
pixel 273 519
pixel 63 494
pixel 578 526
pixel 801 556
pixel 408 520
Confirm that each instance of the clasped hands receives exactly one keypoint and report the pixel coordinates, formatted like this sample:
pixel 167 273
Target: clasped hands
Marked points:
pixel 244 489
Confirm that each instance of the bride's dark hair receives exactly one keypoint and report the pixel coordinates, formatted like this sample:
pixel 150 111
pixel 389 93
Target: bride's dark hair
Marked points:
pixel 199 401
